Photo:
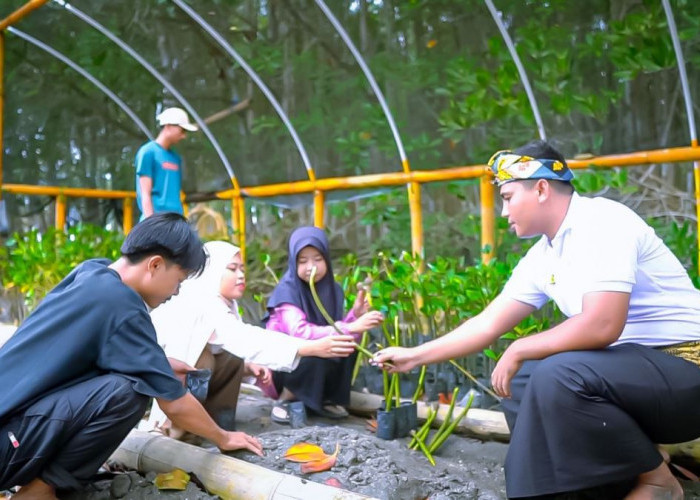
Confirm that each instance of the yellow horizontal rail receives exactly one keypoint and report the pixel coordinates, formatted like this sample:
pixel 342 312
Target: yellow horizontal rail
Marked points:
pixel 21 12
pixel 415 178
pixel 669 155
pixel 66 191
pixel 360 182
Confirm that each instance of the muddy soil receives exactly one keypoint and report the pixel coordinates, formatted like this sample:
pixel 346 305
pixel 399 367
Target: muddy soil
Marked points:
pixel 466 469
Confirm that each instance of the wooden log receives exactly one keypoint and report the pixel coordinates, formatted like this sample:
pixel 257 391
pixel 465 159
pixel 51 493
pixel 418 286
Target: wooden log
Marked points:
pixel 483 424
pixel 227 477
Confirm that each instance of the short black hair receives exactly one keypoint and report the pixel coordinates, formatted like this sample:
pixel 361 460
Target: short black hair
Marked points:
pixel 545 151
pixel 542 150
pixel 169 235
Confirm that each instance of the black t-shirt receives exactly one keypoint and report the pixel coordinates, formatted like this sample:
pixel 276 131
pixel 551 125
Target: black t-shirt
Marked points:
pixel 91 324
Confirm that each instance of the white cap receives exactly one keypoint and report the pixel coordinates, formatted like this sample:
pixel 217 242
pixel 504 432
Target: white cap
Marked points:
pixel 176 116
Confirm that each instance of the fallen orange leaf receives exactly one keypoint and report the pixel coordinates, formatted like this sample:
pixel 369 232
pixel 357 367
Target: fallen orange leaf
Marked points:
pixel 444 399
pixel 371 425
pixel 305 452
pixel 321 465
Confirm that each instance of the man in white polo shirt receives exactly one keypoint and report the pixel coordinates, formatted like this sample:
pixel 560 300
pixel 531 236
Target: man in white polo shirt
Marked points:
pixel 586 400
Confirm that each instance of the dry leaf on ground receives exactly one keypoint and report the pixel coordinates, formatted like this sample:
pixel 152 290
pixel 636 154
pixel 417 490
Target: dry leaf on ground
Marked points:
pixel 305 452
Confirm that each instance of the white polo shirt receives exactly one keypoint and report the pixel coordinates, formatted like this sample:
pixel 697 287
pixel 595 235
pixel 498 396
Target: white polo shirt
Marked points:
pixel 604 246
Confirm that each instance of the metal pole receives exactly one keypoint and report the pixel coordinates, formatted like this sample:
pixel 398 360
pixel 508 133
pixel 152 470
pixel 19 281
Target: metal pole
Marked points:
pixel 58 55
pixel 488 219
pixel 260 84
pixel 253 76
pixel 2 107
pixel 519 65
pixel 60 213
pixel 128 215
pixel 185 104
pixel 688 109
pixel 21 12
pixel 413 190
pixel 319 198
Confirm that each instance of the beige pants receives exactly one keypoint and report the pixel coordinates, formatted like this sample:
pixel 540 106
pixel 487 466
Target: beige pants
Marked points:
pixel 222 397
pixel 225 384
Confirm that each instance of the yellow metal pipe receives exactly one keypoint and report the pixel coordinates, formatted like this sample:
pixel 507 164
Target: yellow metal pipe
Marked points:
pixel 696 172
pixel 696 175
pixel 2 102
pixel 60 212
pixel 414 205
pixel 488 218
pixel 241 227
pixel 67 191
pixel 359 182
pixel 236 216
pixel 21 12
pixel 319 208
pixel 128 215
pixel 680 154
pixel 668 155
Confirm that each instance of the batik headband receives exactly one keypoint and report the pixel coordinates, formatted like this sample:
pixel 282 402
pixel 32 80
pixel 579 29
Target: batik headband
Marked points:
pixel 508 166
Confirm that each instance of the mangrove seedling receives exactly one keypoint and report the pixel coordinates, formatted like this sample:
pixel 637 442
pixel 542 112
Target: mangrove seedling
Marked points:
pixel 327 316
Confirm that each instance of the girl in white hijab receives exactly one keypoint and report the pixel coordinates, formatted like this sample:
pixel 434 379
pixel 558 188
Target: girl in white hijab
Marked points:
pixel 200 327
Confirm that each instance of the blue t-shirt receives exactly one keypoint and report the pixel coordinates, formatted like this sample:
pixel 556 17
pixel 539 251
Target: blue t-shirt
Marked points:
pixel 163 166
pixel 91 324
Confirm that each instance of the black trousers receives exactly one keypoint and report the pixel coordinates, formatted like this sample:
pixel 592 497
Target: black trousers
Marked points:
pixel 583 419
pixel 66 436
pixel 319 381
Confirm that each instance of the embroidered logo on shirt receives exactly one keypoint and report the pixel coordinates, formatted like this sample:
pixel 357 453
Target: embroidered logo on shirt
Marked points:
pixel 170 166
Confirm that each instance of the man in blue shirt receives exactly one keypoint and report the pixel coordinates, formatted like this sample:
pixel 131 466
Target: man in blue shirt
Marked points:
pixel 159 167
pixel 78 373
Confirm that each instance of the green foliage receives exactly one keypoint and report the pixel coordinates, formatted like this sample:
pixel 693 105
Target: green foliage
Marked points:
pixel 36 262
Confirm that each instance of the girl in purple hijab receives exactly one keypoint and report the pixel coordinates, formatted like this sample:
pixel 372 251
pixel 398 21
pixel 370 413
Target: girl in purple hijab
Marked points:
pixel 323 385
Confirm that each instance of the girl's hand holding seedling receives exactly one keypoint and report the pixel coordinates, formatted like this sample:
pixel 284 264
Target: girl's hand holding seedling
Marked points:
pixel 362 301
pixel 366 322
pixel 395 359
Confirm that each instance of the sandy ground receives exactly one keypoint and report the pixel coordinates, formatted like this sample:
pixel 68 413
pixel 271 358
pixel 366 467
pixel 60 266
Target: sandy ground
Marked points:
pixel 466 469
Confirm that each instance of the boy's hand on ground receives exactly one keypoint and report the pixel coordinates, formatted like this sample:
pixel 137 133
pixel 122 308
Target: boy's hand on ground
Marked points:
pixel 241 441
pixel 395 359
pixel 366 321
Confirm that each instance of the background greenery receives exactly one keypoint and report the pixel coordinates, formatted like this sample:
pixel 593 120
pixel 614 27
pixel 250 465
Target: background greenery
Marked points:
pixel 603 71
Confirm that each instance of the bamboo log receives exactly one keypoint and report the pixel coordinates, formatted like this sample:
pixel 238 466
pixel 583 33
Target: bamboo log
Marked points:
pixel 484 424
pixel 690 449
pixel 230 478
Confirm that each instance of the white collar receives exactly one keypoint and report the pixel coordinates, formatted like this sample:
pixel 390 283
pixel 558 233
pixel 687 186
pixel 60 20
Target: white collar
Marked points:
pixel 568 223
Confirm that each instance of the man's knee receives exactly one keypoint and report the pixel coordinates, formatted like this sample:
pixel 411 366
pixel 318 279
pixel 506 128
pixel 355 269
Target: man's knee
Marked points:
pixel 558 373
pixel 123 398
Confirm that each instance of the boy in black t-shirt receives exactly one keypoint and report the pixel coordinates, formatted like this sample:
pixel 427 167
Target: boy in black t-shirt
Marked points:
pixel 78 372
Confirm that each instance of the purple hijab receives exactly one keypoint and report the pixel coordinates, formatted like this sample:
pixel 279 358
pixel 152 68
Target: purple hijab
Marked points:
pixel 293 290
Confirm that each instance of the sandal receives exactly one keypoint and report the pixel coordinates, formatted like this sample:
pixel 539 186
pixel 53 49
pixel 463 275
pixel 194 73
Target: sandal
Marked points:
pixel 335 412
pixel 280 412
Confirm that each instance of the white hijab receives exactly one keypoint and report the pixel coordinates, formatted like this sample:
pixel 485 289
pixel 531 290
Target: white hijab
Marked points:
pixel 186 322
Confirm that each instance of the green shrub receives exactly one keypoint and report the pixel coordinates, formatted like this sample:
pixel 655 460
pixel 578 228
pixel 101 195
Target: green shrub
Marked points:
pixel 33 262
